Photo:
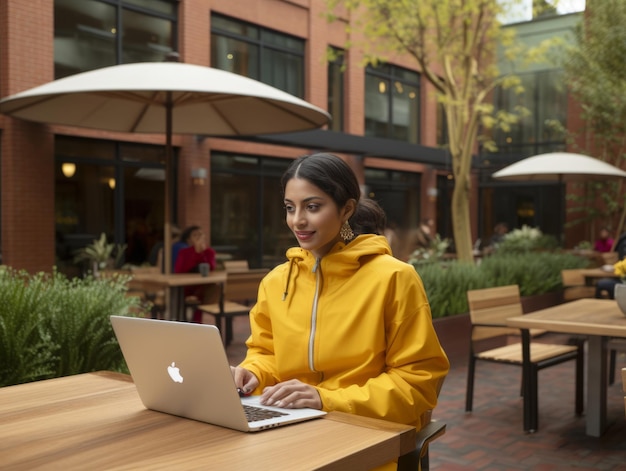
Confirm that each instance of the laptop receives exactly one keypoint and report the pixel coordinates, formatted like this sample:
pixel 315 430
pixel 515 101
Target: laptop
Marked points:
pixel 181 368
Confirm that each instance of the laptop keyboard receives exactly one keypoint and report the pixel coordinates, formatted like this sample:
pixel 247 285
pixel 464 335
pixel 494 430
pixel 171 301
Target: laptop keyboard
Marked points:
pixel 254 414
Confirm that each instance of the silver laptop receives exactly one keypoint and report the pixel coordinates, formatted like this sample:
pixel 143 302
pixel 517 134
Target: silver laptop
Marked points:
pixel 181 368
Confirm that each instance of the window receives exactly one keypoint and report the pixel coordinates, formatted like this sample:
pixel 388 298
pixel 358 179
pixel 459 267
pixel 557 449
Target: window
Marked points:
pixel 262 54
pixel 335 89
pixel 542 129
pixel 104 186
pixel 247 216
pixel 392 103
pixel 90 34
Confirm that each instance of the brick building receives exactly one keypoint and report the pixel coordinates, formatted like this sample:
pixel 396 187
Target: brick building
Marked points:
pixel 61 187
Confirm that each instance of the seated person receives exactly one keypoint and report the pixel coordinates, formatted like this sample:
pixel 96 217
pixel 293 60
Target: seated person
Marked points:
pixel 188 261
pixel 604 243
pixel 606 285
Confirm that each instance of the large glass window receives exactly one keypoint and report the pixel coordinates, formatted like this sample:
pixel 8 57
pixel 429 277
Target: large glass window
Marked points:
pixel 392 103
pixel 335 89
pixel 398 193
pixel 259 53
pixel 90 34
pixel 104 186
pixel 247 216
pixel 542 126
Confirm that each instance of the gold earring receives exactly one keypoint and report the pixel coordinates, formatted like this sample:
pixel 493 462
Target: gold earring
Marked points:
pixel 346 232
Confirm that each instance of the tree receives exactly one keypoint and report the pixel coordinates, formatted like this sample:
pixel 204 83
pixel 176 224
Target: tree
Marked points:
pixel 593 68
pixel 454 43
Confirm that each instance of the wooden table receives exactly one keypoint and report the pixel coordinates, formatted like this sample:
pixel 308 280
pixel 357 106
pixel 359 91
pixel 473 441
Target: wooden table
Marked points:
pixel 96 421
pixel 595 318
pixel 175 283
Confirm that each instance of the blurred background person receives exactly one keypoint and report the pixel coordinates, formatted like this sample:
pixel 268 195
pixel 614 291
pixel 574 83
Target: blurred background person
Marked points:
pixel 604 242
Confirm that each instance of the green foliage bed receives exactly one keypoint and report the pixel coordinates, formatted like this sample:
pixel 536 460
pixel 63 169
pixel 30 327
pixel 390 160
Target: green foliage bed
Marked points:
pixel 534 272
pixel 52 326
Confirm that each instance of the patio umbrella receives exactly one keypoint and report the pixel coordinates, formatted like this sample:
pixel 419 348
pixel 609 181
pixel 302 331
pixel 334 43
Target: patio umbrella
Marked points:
pixel 559 166
pixel 165 97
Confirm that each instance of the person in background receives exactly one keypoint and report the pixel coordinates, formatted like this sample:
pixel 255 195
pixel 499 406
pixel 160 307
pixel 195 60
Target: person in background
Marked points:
pixel 342 325
pixel 188 261
pixel 426 232
pixel 604 242
pixel 499 231
pixel 156 253
pixel 183 242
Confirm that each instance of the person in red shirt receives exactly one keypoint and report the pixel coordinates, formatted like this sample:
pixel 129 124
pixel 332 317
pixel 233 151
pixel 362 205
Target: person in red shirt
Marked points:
pixel 604 243
pixel 188 261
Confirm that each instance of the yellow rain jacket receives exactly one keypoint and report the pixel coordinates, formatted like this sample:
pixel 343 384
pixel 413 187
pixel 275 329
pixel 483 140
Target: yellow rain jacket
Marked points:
pixel 355 324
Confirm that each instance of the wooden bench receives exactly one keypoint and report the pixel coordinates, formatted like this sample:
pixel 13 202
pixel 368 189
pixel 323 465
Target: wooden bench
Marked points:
pixel 237 296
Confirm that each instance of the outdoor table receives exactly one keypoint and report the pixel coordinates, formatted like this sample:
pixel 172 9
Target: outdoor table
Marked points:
pixel 597 319
pixel 176 283
pixel 96 421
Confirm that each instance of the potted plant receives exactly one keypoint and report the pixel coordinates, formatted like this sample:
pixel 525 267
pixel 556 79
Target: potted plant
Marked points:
pixel 101 255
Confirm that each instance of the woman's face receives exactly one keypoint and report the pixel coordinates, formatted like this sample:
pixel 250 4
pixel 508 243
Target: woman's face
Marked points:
pixel 313 216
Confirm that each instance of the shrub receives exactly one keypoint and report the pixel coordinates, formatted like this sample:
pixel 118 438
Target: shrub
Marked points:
pixel 527 239
pixel 51 326
pixel 535 273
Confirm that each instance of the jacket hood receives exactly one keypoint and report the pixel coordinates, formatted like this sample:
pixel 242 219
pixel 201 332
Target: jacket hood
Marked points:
pixel 342 260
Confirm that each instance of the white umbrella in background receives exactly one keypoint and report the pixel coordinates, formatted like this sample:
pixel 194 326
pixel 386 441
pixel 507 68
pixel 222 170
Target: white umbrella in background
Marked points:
pixel 559 167
pixel 167 98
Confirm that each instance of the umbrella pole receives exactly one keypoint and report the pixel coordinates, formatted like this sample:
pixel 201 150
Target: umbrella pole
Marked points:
pixel 169 187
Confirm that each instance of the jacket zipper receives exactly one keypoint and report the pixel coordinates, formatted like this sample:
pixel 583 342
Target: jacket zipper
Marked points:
pixel 314 314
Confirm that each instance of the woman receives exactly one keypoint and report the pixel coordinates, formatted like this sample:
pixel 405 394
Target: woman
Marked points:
pixel 343 325
pixel 188 260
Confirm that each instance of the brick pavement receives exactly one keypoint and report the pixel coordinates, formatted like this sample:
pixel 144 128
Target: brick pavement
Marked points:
pixel 491 438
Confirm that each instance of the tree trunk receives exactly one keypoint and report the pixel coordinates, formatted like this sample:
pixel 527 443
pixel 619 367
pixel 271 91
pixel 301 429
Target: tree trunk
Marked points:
pixel 461 222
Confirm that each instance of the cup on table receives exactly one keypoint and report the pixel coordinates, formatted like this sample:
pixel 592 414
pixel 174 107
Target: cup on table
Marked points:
pixel 204 269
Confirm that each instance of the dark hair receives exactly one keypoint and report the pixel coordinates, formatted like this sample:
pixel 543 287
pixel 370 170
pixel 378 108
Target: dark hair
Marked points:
pixel 186 234
pixel 369 218
pixel 327 172
pixel 335 178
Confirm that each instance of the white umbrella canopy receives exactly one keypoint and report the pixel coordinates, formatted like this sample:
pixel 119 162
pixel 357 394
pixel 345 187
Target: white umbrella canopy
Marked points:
pixel 134 98
pixel 559 166
pixel 168 98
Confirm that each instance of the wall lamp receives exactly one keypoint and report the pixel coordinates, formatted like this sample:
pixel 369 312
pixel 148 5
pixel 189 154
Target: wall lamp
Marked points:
pixel 68 169
pixel 198 176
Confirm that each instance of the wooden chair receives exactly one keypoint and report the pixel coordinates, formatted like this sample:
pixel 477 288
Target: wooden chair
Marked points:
pixel 236 297
pixel 233 266
pixel 151 293
pixel 574 286
pixel 624 386
pixel 610 258
pixel 489 308
pixel 418 459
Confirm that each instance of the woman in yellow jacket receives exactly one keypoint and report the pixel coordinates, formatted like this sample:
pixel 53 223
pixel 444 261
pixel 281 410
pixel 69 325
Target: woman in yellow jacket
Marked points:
pixel 342 325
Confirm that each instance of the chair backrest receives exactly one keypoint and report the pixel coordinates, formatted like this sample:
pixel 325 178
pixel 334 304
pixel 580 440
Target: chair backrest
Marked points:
pixel 491 307
pixel 610 258
pixel 243 286
pixel 574 286
pixel 233 266
pixel 624 386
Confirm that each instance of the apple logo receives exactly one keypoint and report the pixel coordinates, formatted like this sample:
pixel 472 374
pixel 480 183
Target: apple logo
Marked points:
pixel 174 373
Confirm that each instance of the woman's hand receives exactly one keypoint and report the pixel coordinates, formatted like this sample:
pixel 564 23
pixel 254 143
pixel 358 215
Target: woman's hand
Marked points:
pixel 198 240
pixel 292 394
pixel 244 380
